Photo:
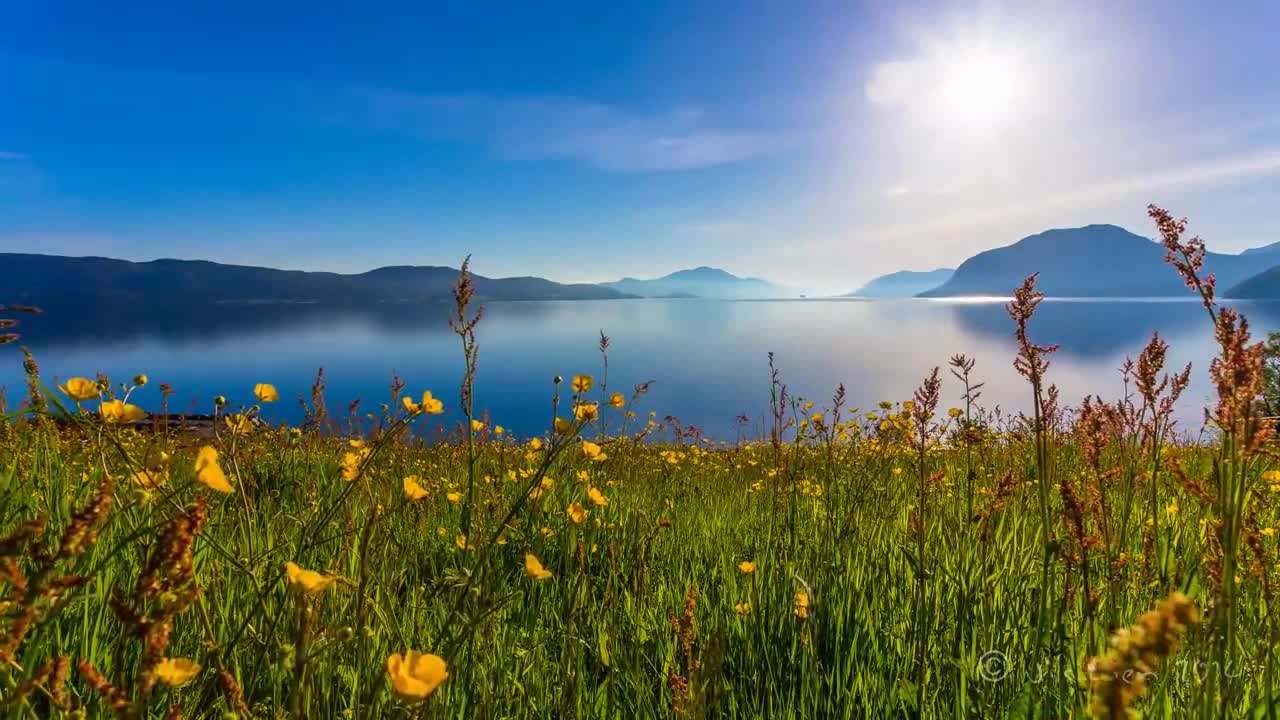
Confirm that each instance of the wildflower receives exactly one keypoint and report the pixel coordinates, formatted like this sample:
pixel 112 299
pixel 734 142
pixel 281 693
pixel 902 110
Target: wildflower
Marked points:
pixel 148 479
pixel 80 389
pixel 115 411
pixel 266 392
pixel 219 400
pixel 534 569
pixel 535 444
pixel 308 582
pixel 586 412
pixel 1271 476
pixel 476 425
pixel 747 567
pixel 176 672
pixel 429 404
pixel 209 472
pixel 742 609
pixel 563 426
pixel 415 676
pixel 582 383
pixel 460 541
pixel 454 497
pixel 955 412
pixel 616 401
pixel 1119 677
pixel 140 380
pixel 591 451
pixel 597 497
pixel 802 605
pixel 1172 509
pixel 238 424
pixel 498 430
pixel 412 490
pixel 576 513
pixel 350 465
pixel 1267 531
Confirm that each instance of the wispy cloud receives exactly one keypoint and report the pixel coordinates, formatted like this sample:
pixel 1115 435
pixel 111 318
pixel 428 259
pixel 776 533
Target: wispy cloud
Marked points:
pixel 8 155
pixel 602 136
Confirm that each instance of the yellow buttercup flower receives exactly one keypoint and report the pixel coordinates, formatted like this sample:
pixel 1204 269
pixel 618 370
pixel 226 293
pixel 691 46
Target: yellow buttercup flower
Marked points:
pixel 582 383
pixel 266 392
pixel 597 497
pixel 309 582
pixel 1271 476
pixel 176 672
pixel 742 609
pixel 576 513
pixel 586 412
pixel 149 479
pixel 461 541
pixel 454 497
pixel 429 405
pixel 498 429
pixel 80 389
pixel 209 472
pixel 140 380
pixel 352 463
pixel 476 425
pixel 616 400
pixel 534 569
pixel 116 411
pixel 535 444
pixel 591 451
pixel 802 605
pixel 747 567
pixel 238 424
pixel 412 490
pixel 955 412
pixel 563 426
pixel 415 676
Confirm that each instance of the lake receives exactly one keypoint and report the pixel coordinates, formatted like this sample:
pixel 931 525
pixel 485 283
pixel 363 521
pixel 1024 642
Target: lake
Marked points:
pixel 707 358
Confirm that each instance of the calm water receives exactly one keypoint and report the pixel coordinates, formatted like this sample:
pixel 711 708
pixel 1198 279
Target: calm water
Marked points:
pixel 708 359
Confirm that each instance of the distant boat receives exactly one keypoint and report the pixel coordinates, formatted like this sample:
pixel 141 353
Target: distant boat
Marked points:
pixel 803 296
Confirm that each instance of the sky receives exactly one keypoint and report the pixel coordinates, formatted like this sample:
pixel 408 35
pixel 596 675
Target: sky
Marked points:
pixel 816 144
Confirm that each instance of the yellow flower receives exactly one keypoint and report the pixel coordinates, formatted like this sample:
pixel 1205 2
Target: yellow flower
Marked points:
pixel 454 497
pixel 533 568
pixel 176 672
pixel 461 541
pixel 582 383
pixel 415 676
pixel 429 405
pixel 1267 531
pixel 266 392
pixel 498 429
pixel 209 472
pixel 955 412
pixel 1172 509
pixel 350 465
pixel 149 479
pixel 140 380
pixel 412 490
pixel 309 582
pixel 238 424
pixel 616 400
pixel 563 426
pixel 742 609
pixel 597 497
pixel 1271 476
pixel 115 411
pixel 586 412
pixel 576 513
pixel 802 605
pixel 591 451
pixel 80 389
pixel 747 567
pixel 547 483
pixel 535 444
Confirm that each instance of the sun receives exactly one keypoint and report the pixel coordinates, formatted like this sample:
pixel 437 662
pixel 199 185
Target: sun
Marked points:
pixel 978 91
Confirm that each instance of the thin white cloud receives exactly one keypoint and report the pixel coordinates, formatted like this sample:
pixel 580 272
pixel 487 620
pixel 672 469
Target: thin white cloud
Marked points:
pixel 602 136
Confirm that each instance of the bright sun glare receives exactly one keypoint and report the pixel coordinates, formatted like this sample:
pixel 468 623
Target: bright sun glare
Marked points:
pixel 977 91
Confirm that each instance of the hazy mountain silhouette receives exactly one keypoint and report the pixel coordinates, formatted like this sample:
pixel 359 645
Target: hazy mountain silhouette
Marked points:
pixel 1091 261
pixel 1263 286
pixel 904 283
pixel 44 279
pixel 703 282
pixel 1272 249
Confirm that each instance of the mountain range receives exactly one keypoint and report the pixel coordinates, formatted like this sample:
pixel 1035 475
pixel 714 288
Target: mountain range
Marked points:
pixel 704 282
pixel 1090 261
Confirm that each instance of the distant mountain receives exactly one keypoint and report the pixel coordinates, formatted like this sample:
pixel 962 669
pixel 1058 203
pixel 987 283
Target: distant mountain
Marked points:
pixel 1272 249
pixel 46 279
pixel 1263 286
pixel 1091 261
pixel 703 282
pixel 904 283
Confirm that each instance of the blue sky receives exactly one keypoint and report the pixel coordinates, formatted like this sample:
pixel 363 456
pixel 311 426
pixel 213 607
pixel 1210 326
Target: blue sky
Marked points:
pixel 815 143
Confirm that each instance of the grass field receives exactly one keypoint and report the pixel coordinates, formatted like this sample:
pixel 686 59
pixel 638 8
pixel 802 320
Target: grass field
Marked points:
pixel 905 560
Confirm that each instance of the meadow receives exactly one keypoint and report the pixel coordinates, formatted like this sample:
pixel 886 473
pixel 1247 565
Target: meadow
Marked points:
pixel 904 560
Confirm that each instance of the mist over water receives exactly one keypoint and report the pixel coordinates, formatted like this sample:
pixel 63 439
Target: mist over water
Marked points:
pixel 707 358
